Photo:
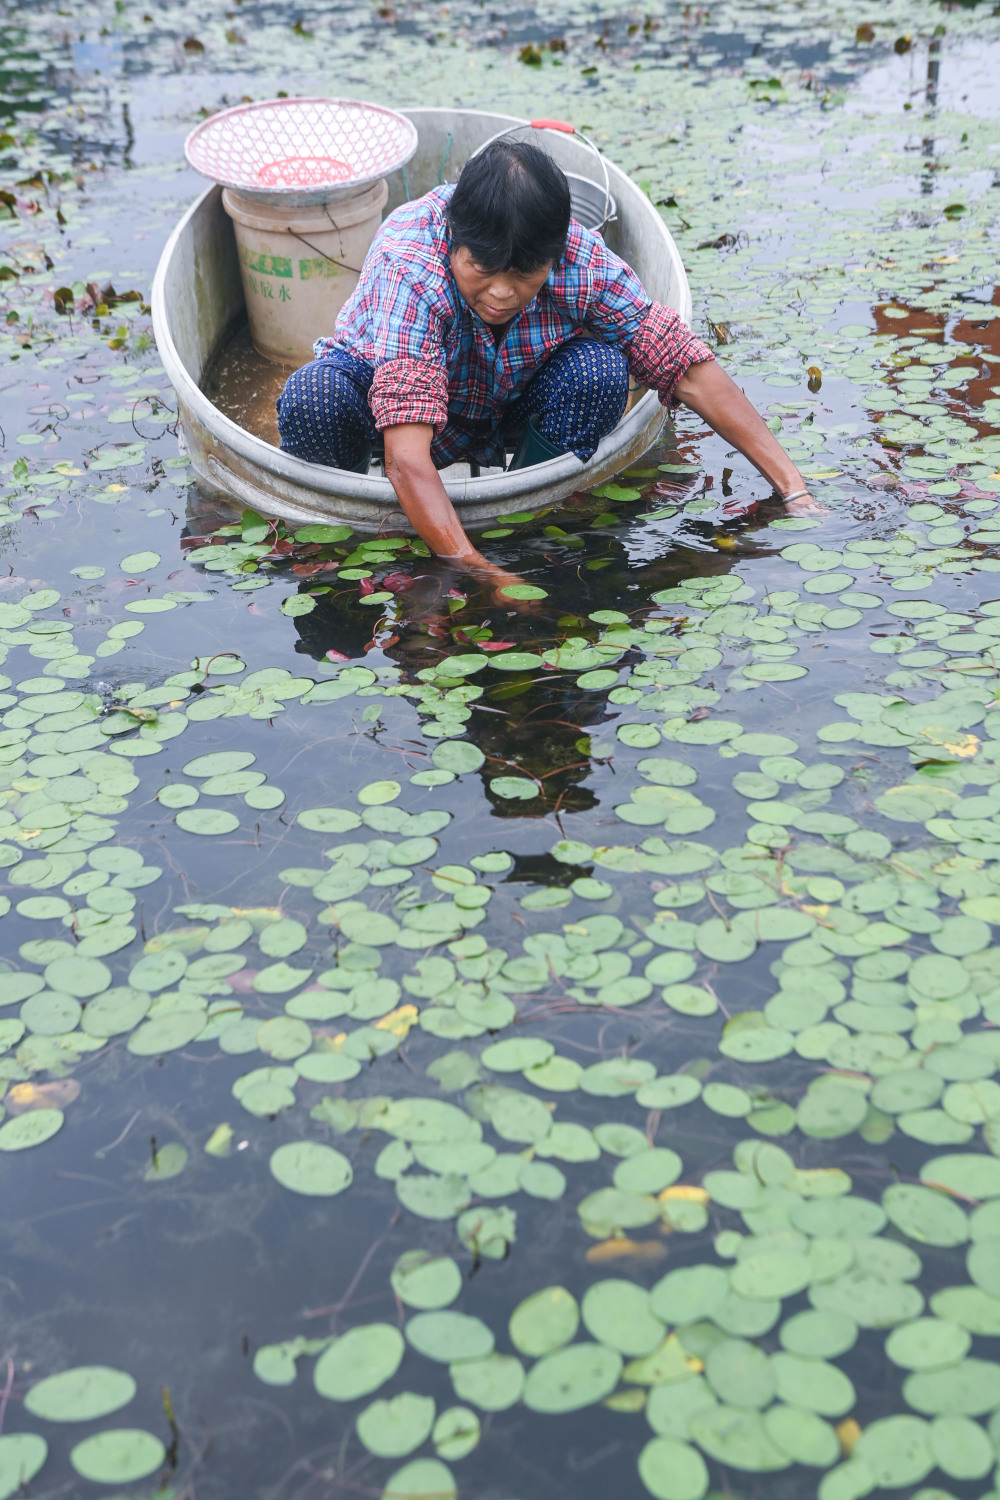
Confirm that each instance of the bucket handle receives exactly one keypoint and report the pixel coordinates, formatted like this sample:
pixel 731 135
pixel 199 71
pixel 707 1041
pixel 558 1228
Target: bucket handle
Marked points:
pixel 317 251
pixel 564 127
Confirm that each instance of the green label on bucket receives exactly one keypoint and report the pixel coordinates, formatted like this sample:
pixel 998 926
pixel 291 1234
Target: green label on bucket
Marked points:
pixel 320 266
pixel 265 265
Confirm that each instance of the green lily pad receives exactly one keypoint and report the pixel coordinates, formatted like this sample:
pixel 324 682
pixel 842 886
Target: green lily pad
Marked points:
pixel 523 591
pixel 118 1456
pixel 672 1470
pixel 423 1479
pixel 211 822
pixel 572 1378
pixel 544 1322
pixel 802 1435
pixel 495 1383
pixel 310 1168
pixel 925 1214
pixel 618 1314
pixel 897 1449
pixel 22 1455
pixel 393 1428
pixel 81 1394
pixel 927 1344
pixel 359 1362
pixel 514 788
pixel 219 763
pixel 31 1129
pixel 457 756
pixel 740 1373
pixel 968 1389
pixel 738 1438
pixel 449 1336
pixel 426 1281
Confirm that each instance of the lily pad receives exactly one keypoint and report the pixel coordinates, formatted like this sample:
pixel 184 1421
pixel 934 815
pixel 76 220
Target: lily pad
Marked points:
pixel 423 1479
pixel 118 1456
pixel 359 1362
pixel 31 1129
pixel 544 1322
pixel 672 1470
pixel 81 1394
pixel 393 1428
pixel 22 1455
pixel 426 1281
pixel 311 1168
pixel 572 1378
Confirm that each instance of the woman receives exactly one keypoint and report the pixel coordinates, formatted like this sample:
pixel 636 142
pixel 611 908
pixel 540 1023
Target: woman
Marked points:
pixel 486 317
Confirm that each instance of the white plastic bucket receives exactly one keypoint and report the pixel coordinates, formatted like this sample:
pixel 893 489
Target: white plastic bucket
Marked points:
pixel 300 265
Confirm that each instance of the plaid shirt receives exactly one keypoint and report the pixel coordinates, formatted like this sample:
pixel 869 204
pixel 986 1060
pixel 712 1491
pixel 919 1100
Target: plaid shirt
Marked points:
pixel 437 362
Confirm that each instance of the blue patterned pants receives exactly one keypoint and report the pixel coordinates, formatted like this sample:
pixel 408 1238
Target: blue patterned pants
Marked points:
pixel 576 398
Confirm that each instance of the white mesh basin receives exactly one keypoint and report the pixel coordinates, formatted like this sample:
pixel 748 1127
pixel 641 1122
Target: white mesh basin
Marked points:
pixel 300 151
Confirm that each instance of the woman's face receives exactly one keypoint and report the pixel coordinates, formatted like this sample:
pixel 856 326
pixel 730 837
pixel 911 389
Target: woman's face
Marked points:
pixel 497 296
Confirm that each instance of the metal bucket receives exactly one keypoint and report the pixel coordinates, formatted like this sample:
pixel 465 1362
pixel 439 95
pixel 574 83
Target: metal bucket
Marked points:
pixel 591 205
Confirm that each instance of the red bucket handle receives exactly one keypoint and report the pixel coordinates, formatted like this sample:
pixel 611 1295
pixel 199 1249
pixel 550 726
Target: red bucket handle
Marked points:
pixel 562 125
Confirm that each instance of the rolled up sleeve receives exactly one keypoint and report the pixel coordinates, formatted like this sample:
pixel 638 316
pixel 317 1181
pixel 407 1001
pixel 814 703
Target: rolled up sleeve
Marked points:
pixel 406 342
pixel 662 350
pixel 409 390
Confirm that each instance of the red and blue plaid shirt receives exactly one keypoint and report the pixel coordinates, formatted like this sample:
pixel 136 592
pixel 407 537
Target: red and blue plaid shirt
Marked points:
pixel 437 362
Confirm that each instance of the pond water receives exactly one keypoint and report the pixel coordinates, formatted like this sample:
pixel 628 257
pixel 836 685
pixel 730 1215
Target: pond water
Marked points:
pixel 514 1052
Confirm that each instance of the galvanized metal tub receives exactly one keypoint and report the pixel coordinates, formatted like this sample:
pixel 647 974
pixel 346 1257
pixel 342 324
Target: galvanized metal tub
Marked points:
pixel 198 303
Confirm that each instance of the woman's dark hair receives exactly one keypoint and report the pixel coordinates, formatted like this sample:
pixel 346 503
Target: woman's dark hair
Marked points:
pixel 511 208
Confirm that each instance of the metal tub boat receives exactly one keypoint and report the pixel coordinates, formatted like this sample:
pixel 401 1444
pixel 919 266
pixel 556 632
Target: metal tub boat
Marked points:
pixel 198 306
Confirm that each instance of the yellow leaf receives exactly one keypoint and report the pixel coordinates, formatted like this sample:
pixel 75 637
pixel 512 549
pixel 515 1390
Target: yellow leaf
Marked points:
pixel 54 1095
pixel 687 1191
pixel 330 1043
pixel 622 1249
pixel 848 1433
pixel 399 1022
pixel 633 1400
pixel 220 1140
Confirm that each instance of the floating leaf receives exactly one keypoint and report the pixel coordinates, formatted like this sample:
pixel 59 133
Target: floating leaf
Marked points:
pixel 310 1168
pixel 81 1394
pixel 673 1470
pixel 925 1215
pixel 514 788
pixel 572 1378
pixel 618 1314
pixel 426 1281
pixel 423 1479
pixel 31 1129
pixel 219 763
pixel 456 1432
pixel 212 822
pixel 897 1450
pixel 22 1454
pixel 523 591
pixel 359 1362
pixel 449 1336
pixel 495 1383
pixel 927 1343
pixel 544 1322
pixel 738 1438
pixel 393 1428
pixel 139 562
pixel 118 1455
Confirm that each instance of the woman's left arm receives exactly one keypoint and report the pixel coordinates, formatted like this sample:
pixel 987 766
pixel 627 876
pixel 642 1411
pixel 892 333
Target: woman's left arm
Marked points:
pixel 708 390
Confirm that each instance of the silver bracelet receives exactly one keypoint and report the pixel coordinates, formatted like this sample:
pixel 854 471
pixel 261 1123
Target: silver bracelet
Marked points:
pixel 797 496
